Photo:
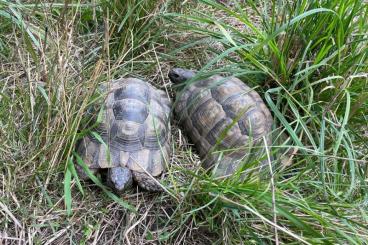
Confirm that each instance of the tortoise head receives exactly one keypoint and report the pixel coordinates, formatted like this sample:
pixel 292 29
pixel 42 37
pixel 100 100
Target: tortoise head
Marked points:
pixel 179 75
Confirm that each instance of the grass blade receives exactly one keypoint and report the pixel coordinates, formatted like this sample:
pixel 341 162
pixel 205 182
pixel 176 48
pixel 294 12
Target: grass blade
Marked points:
pixel 95 180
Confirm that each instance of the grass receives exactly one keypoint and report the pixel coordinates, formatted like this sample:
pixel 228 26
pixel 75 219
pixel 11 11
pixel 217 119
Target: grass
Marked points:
pixel 308 60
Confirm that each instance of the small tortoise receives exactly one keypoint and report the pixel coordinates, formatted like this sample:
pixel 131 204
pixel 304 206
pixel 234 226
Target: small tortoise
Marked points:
pixel 221 114
pixel 136 132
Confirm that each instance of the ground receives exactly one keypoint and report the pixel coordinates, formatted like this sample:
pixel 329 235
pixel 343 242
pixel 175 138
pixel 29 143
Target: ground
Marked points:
pixel 54 56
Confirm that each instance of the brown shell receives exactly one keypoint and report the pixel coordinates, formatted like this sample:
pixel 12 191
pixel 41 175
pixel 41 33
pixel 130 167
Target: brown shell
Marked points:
pixel 223 114
pixel 135 128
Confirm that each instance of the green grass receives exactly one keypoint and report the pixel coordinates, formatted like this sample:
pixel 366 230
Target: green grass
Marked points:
pixel 307 59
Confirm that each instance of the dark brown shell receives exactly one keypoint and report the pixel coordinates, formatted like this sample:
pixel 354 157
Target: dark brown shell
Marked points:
pixel 135 127
pixel 223 114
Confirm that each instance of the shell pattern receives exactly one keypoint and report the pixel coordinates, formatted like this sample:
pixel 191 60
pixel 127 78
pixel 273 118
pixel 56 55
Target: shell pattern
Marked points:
pixel 135 128
pixel 223 114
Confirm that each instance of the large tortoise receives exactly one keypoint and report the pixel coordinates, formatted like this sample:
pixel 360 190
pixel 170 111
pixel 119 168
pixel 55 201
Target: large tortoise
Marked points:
pixel 136 132
pixel 222 114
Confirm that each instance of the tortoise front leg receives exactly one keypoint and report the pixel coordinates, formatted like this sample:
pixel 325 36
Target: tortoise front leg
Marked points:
pixel 82 174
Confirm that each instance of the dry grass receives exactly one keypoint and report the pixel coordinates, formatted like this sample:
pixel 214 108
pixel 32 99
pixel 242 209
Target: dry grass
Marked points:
pixel 47 85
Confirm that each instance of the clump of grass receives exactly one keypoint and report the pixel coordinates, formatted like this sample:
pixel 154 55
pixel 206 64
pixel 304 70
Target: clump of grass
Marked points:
pixel 53 58
pixel 309 60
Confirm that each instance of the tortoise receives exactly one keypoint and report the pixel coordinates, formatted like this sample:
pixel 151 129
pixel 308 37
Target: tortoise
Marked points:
pixel 223 117
pixel 136 132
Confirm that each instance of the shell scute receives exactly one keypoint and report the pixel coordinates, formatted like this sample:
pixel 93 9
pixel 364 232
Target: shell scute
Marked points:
pixel 223 114
pixel 135 127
